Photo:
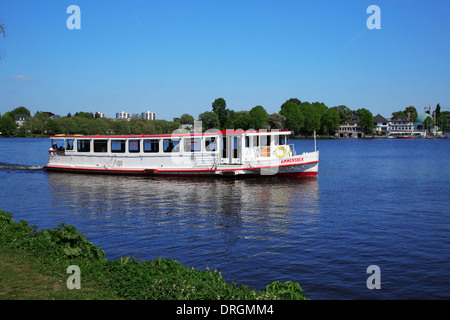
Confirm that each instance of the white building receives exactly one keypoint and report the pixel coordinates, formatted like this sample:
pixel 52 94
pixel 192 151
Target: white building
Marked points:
pixel 352 129
pixel 147 115
pixel 400 126
pixel 20 119
pixel 380 125
pixel 122 115
pixel 99 114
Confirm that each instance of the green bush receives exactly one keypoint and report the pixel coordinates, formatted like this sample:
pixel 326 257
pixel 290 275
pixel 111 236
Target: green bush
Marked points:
pixel 288 290
pixel 62 243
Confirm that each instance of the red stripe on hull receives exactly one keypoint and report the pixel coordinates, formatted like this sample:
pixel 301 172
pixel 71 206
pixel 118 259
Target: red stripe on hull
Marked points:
pixel 172 173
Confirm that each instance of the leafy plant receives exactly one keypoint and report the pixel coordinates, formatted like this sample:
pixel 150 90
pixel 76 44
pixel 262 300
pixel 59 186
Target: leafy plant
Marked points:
pixel 288 290
pixel 5 218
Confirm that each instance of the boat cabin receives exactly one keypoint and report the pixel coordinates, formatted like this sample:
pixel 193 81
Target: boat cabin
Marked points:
pixel 228 147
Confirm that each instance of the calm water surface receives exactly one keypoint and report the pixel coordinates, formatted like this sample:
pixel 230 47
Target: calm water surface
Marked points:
pixel 375 202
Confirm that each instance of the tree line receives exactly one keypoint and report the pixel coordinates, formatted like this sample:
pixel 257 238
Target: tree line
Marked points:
pixel 302 118
pixel 43 123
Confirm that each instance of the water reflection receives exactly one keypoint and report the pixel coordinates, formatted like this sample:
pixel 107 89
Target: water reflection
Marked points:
pixel 192 218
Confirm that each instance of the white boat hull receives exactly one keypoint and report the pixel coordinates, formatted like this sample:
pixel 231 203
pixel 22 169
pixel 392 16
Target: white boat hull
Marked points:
pixel 306 164
pixel 234 154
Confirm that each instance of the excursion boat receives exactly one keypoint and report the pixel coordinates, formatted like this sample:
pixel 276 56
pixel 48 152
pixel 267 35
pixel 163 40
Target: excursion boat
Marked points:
pixel 218 153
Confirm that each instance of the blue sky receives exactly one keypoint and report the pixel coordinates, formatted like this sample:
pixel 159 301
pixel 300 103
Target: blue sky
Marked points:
pixel 175 57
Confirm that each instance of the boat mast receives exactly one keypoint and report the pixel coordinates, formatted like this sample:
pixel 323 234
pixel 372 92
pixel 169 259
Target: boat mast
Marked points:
pixel 315 147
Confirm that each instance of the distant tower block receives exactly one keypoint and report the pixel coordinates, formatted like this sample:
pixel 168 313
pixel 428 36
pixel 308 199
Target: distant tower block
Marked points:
pixel 148 115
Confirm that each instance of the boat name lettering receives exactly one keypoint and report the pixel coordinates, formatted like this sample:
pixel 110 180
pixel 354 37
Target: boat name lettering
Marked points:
pixel 292 160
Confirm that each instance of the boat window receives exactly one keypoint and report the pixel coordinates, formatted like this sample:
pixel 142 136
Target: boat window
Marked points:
pixel 211 144
pixel 283 140
pixel 100 145
pixel 236 142
pixel 247 141
pixel 151 145
pixel 134 146
pixel 255 141
pixel 192 145
pixel 265 140
pixel 118 146
pixel 83 145
pixel 224 147
pixel 279 140
pixel 69 144
pixel 58 144
pixel 171 145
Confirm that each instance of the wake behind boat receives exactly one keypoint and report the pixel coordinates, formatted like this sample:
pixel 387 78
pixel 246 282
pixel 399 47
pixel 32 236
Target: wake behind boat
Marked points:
pixel 218 153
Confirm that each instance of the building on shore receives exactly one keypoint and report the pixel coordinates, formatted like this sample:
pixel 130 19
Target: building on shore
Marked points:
pixel 419 124
pixel 148 115
pixel 99 114
pixel 401 127
pixel 352 129
pixel 380 125
pixel 123 115
pixel 20 119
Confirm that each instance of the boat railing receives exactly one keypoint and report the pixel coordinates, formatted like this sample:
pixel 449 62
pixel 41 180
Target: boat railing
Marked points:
pixel 292 149
pixel 205 159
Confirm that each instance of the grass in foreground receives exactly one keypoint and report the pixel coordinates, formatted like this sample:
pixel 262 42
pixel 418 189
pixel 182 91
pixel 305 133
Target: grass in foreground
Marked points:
pixel 33 265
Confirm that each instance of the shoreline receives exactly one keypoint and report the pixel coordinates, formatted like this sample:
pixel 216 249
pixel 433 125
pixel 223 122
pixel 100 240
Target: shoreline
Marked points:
pixel 293 137
pixel 45 256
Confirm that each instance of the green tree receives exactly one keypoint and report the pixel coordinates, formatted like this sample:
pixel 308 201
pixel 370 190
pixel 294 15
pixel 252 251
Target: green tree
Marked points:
pixel 209 120
pixel 277 121
pixel 230 118
pixel 34 125
pixel 366 120
pixel 52 127
pixel 311 115
pixel 344 113
pixel 187 119
pixel 412 112
pixel 320 108
pixel 149 127
pixel 330 122
pixel 219 107
pixel 242 121
pixel 19 110
pixel 399 114
pixel 83 114
pixel 67 125
pixel 258 118
pixel 427 123
pixel 104 125
pixel 294 100
pixel 121 126
pixel 294 117
pixel 170 126
pixel 7 125
pixel 438 111
pixel 442 123
pixel 136 125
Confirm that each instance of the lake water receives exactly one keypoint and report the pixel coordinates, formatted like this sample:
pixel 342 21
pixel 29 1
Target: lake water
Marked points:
pixel 375 202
